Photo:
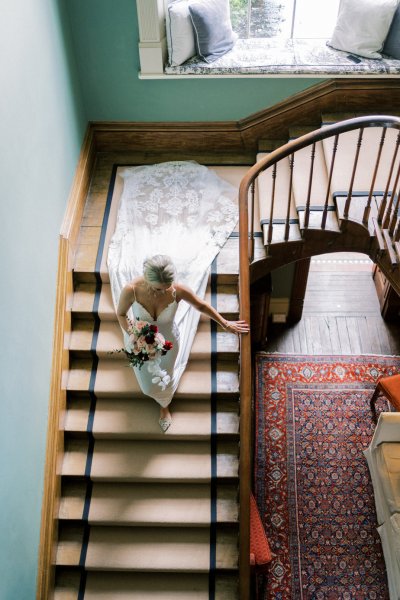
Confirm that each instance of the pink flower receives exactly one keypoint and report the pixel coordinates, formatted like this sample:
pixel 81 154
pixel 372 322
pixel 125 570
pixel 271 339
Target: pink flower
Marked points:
pixel 160 339
pixel 141 343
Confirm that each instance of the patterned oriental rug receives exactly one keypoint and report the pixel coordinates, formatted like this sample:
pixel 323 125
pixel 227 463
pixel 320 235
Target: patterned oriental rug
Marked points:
pixel 312 482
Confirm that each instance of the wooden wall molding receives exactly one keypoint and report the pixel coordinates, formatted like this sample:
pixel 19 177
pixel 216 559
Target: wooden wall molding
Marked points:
pixel 60 365
pixel 372 96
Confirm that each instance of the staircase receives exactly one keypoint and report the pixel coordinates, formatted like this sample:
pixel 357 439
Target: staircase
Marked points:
pixel 334 189
pixel 156 516
pixel 143 514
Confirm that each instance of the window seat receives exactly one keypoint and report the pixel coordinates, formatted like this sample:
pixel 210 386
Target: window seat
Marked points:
pixel 302 57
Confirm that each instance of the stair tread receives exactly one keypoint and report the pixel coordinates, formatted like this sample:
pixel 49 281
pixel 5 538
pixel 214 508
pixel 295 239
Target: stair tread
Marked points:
pixel 149 504
pixel 84 294
pixel 124 417
pixel 167 460
pixel 227 265
pixel 367 158
pixel 148 549
pixel 110 338
pixel 142 586
pixel 113 378
pixel 356 210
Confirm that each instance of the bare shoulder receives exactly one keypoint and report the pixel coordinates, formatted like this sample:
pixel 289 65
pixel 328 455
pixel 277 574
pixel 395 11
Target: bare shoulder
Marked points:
pixel 182 291
pixel 130 288
pixel 185 293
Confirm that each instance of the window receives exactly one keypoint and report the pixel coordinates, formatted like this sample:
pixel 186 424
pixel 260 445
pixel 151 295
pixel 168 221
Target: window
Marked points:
pixel 285 19
pixel 276 38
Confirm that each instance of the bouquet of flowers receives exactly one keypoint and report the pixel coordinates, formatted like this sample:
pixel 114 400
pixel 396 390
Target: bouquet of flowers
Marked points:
pixel 147 345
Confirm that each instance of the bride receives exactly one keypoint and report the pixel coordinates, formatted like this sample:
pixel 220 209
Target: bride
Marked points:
pixel 184 210
pixel 154 297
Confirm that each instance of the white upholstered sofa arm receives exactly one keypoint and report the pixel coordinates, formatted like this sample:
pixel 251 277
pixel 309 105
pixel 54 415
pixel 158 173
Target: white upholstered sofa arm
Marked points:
pixel 387 429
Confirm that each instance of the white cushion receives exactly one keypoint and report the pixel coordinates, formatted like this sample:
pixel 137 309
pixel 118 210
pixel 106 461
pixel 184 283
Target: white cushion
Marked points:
pixel 212 27
pixel 180 33
pixel 362 26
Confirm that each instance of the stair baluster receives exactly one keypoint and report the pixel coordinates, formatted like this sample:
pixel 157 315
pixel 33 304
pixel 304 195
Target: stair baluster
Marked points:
pixel 397 248
pixel 396 236
pixel 353 174
pixel 389 209
pixel 385 195
pixel 270 226
pixel 310 181
pixel 367 209
pixel 334 151
pixel 287 226
pixel 395 218
pixel 251 233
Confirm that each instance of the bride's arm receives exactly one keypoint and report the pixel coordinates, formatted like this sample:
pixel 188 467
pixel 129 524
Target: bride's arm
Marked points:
pixel 185 293
pixel 125 302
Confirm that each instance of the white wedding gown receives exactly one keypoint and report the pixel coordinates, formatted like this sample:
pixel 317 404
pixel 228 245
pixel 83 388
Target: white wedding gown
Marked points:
pixel 186 211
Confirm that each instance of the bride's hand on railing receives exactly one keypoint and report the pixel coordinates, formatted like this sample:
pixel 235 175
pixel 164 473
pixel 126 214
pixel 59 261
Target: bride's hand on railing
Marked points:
pixel 236 326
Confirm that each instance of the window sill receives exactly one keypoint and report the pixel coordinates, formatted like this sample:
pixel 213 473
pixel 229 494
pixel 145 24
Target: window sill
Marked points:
pixel 271 57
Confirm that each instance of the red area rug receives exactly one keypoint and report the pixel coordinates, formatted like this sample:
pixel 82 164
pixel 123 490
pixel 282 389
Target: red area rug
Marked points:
pixel 312 482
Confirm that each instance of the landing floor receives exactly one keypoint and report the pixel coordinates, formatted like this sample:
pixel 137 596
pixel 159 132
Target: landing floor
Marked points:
pixel 341 313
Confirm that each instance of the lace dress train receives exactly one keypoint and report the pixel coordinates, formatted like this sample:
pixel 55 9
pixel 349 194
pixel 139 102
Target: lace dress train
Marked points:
pixel 186 211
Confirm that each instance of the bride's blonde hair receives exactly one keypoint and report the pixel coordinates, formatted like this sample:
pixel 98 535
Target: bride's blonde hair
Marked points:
pixel 159 269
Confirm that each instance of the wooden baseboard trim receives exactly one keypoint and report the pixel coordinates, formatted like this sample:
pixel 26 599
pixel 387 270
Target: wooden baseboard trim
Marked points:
pixel 60 365
pixel 373 96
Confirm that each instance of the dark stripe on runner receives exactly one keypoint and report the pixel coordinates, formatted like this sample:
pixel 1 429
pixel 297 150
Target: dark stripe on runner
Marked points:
pixel 92 395
pixel 213 442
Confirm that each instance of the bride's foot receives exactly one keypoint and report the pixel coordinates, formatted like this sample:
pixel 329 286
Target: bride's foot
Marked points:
pixel 165 419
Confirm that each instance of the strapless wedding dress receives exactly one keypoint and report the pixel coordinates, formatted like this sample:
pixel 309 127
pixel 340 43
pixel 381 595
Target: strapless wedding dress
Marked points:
pixel 186 211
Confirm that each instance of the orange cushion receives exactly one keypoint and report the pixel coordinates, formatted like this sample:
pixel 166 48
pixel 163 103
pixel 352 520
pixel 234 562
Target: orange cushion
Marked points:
pixel 260 552
pixel 390 386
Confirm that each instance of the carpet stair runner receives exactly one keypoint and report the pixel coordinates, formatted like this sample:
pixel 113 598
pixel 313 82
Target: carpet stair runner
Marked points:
pixel 145 514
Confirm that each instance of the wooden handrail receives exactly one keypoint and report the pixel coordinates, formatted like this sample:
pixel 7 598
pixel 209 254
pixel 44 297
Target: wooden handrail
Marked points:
pixel 60 365
pixel 246 249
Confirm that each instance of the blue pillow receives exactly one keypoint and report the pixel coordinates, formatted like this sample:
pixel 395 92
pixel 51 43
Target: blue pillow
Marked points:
pixel 212 28
pixel 392 42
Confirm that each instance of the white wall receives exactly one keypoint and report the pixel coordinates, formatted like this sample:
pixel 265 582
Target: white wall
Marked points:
pixel 42 124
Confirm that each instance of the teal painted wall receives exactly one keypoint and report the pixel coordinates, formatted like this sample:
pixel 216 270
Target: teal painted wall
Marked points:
pixel 42 127
pixel 106 42
pixel 65 62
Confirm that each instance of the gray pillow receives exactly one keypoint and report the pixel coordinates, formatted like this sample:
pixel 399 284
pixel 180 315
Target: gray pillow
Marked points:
pixel 392 42
pixel 212 28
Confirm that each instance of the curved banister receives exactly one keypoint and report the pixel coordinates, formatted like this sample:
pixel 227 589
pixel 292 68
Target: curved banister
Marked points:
pixel 246 250
pixel 316 136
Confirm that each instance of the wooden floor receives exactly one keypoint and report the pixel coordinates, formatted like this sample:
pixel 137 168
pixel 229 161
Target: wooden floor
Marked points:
pixel 341 314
